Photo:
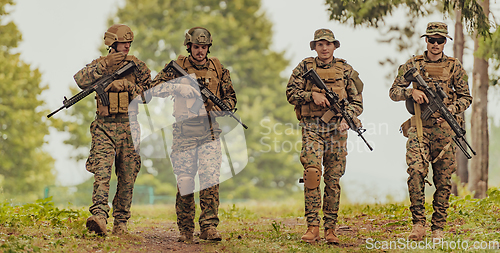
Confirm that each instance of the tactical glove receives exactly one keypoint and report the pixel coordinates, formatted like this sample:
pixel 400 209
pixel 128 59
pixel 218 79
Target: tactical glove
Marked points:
pixel 109 61
pixel 116 86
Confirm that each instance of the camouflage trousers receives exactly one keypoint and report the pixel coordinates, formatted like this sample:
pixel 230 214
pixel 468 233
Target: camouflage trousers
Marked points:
pixel 434 141
pixel 200 155
pixel 327 146
pixel 113 142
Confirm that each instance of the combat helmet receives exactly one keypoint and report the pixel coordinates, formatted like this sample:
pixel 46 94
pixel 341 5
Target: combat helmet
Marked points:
pixel 118 33
pixel 198 35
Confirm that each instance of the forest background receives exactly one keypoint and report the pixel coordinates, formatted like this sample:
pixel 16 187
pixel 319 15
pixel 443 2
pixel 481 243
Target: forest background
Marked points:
pixel 45 42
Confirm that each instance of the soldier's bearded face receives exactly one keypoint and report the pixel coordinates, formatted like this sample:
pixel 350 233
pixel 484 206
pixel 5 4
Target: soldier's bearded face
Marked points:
pixel 123 47
pixel 199 52
pixel 435 48
pixel 325 50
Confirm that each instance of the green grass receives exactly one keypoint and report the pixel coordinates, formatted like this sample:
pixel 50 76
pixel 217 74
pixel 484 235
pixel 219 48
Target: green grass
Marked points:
pixel 245 227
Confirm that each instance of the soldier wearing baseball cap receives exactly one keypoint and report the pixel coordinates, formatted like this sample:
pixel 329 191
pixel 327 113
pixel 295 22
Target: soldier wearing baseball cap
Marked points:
pixel 324 138
pixel 429 139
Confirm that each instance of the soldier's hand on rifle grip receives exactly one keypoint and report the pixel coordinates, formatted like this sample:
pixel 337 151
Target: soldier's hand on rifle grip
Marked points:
pixel 320 99
pixel 419 96
pixel 116 86
pixel 343 125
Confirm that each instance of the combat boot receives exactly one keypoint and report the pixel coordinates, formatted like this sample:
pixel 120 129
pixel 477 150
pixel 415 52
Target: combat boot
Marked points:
pixel 97 224
pixel 185 237
pixel 417 233
pixel 210 234
pixel 330 236
pixel 311 235
pixel 119 228
pixel 437 235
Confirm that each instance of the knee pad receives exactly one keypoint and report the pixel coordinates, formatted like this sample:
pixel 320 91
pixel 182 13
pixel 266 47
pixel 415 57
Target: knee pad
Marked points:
pixel 185 184
pixel 312 177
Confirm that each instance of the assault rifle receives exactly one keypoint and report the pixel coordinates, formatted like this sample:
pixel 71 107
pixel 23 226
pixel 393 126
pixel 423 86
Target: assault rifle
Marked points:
pixel 205 93
pixel 336 105
pixel 98 86
pixel 436 104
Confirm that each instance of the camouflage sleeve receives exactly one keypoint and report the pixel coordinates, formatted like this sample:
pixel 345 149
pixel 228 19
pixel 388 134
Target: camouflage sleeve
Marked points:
pixel 142 80
pixel 464 99
pixel 163 88
pixel 143 76
pixel 87 75
pixel 295 89
pixel 354 97
pixel 228 96
pixel 399 90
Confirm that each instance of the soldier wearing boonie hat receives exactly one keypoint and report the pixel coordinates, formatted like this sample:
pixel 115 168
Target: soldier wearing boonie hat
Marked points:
pixel 324 132
pixel 324 34
pixel 429 141
pixel 437 28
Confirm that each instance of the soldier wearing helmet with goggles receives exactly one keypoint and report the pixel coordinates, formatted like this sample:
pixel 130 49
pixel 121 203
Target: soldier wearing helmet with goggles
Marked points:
pixel 196 135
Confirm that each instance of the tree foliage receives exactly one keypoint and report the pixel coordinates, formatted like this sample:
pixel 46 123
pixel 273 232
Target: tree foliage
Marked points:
pixel 24 168
pixel 373 12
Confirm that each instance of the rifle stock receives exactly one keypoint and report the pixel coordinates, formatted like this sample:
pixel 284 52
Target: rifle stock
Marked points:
pixel 336 105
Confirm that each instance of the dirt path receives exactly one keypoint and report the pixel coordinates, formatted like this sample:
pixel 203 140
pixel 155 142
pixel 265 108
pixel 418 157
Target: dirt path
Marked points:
pixel 158 237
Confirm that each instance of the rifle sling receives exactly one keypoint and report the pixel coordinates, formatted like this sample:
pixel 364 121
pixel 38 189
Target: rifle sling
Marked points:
pixel 418 121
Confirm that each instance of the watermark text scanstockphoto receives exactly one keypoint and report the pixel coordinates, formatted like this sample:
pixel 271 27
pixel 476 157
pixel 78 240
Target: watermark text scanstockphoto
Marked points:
pixel 429 244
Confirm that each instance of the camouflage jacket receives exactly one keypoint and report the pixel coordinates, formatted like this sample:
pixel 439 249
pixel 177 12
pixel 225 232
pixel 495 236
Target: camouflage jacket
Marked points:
pixel 141 79
pixel 227 93
pixel 455 87
pixel 297 95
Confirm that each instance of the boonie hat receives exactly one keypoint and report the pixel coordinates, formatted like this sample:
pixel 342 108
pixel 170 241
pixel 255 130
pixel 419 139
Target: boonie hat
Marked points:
pixel 436 28
pixel 324 34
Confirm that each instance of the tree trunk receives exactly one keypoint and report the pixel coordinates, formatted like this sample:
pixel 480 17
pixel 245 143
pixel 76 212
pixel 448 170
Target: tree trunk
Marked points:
pixel 458 52
pixel 478 175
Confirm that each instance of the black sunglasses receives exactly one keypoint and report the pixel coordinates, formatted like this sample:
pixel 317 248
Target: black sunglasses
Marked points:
pixel 434 40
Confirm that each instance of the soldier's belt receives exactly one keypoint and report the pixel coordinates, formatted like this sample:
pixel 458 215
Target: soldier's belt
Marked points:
pixel 117 119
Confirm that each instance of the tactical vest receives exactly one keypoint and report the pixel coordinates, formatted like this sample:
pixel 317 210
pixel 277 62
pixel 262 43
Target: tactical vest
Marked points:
pixel 438 73
pixel 210 78
pixel 332 77
pixel 118 101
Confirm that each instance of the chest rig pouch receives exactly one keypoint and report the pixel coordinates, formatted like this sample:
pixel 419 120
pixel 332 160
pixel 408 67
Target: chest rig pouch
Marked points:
pixel 333 78
pixel 440 74
pixel 208 77
pixel 118 101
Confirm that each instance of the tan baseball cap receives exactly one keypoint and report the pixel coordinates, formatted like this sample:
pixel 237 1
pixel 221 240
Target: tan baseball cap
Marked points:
pixel 324 34
pixel 436 28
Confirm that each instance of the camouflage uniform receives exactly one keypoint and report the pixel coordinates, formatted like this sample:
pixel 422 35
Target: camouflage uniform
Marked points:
pixel 196 147
pixel 323 144
pixel 435 148
pixel 112 135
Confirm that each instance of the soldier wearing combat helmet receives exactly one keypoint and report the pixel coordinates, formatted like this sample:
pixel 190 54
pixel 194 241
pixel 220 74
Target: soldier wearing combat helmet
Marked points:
pixel 196 145
pixel 430 141
pixel 115 130
pixel 323 139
